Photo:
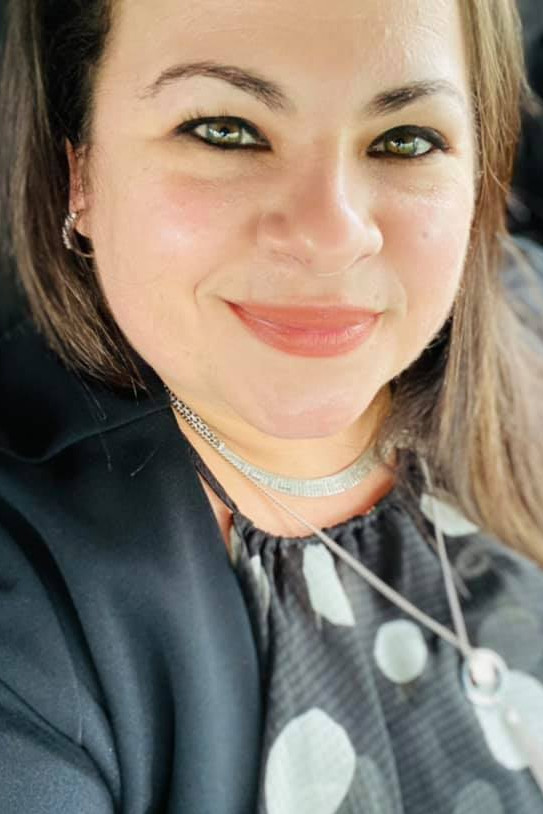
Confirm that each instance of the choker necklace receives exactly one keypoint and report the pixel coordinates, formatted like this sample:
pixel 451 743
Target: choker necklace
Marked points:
pixel 484 674
pixel 326 486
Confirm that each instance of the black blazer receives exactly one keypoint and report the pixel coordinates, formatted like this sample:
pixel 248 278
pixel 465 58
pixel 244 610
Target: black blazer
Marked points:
pixel 129 678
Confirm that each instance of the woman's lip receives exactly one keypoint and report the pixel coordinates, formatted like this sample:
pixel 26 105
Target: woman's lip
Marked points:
pixel 316 318
pixel 306 342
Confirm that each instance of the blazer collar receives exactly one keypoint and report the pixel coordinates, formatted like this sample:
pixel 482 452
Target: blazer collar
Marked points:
pixel 45 407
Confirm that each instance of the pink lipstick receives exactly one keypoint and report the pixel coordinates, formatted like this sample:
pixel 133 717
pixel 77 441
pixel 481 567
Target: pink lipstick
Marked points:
pixel 320 331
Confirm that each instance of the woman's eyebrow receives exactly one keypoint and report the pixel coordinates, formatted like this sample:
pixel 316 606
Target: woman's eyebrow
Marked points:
pixel 275 98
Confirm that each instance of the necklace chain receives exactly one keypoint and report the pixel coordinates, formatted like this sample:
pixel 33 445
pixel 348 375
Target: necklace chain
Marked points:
pixel 326 486
pixel 484 673
pixel 460 640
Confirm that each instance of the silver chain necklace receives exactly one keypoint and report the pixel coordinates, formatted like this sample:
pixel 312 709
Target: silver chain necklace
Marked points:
pixel 485 675
pixel 310 487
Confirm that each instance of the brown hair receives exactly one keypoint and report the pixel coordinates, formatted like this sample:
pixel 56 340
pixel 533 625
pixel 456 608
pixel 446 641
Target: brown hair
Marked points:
pixel 53 51
pixel 472 401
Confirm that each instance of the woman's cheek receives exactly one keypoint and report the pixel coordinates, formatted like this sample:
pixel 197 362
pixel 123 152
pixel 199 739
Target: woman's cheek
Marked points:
pixel 187 211
pixel 164 239
pixel 173 235
pixel 425 247
pixel 181 220
pixel 429 241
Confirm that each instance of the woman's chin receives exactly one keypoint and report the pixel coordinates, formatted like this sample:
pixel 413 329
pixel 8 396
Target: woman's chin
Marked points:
pixel 309 421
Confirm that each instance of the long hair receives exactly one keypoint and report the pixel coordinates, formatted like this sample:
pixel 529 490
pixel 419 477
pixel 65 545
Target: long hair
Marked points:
pixel 472 402
pixel 53 51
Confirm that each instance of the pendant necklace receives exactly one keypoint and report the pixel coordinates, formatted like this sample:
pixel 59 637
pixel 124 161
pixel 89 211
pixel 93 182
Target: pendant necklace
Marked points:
pixel 484 674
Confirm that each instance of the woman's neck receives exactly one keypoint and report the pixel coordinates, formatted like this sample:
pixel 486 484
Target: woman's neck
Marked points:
pixel 266 515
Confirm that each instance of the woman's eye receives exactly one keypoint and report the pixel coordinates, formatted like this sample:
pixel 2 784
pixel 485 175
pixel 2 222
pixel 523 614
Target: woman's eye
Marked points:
pixel 225 133
pixel 408 143
pixel 230 133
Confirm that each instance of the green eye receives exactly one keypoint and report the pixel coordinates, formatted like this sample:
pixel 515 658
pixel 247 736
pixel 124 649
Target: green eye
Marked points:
pixel 408 142
pixel 410 147
pixel 225 132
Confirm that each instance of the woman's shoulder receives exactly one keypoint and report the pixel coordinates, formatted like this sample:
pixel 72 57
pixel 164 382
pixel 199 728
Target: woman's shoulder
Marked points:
pixel 33 646
pixel 51 707
pixel 111 564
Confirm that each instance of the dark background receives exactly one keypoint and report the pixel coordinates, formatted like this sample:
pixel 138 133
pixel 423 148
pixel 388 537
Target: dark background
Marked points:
pixel 526 209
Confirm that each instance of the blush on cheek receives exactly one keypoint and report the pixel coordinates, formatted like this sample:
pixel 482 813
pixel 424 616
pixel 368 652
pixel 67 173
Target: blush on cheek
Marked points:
pixel 172 210
pixel 185 206
pixel 159 241
pixel 196 210
pixel 166 233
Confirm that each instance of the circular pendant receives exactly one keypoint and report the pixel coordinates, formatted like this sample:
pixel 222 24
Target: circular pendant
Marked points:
pixel 484 675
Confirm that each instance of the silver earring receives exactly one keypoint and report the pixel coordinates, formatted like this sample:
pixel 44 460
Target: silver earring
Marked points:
pixel 68 229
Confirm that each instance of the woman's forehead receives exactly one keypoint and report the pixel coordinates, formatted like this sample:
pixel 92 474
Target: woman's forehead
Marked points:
pixel 347 43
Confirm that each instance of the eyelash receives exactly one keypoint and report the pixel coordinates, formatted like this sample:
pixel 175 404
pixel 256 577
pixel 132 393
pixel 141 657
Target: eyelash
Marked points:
pixel 410 131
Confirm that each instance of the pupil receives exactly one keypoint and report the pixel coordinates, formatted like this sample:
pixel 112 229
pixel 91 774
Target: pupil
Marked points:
pixel 223 132
pixel 400 145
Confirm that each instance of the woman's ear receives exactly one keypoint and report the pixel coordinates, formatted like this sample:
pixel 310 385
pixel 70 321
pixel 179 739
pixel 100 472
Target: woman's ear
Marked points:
pixel 78 199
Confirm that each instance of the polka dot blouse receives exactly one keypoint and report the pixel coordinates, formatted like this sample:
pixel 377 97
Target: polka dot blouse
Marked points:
pixel 365 710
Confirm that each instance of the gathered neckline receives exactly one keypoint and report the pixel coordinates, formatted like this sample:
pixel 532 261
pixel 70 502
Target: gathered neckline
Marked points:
pixel 246 529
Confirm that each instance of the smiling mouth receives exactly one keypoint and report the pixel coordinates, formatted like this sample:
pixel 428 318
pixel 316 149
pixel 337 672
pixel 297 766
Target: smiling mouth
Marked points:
pixel 317 336
pixel 321 318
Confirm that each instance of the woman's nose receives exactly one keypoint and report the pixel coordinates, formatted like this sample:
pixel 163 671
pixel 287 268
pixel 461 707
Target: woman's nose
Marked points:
pixel 327 225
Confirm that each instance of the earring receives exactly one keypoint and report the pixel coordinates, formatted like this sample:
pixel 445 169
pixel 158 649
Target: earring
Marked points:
pixel 68 229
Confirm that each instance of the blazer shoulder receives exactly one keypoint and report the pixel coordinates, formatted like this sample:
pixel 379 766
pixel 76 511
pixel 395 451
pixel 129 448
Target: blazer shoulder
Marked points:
pixel 35 660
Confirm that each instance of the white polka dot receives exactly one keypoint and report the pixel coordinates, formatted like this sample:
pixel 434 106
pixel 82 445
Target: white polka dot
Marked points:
pixel 525 694
pixel 262 580
pixel 400 651
pixel 310 766
pixel 326 592
pixel 478 797
pixel 450 520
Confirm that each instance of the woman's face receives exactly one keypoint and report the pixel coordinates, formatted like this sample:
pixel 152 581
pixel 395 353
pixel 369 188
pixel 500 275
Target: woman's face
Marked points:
pixel 321 203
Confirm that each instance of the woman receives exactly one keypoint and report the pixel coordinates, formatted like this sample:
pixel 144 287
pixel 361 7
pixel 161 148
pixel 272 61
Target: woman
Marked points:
pixel 279 227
